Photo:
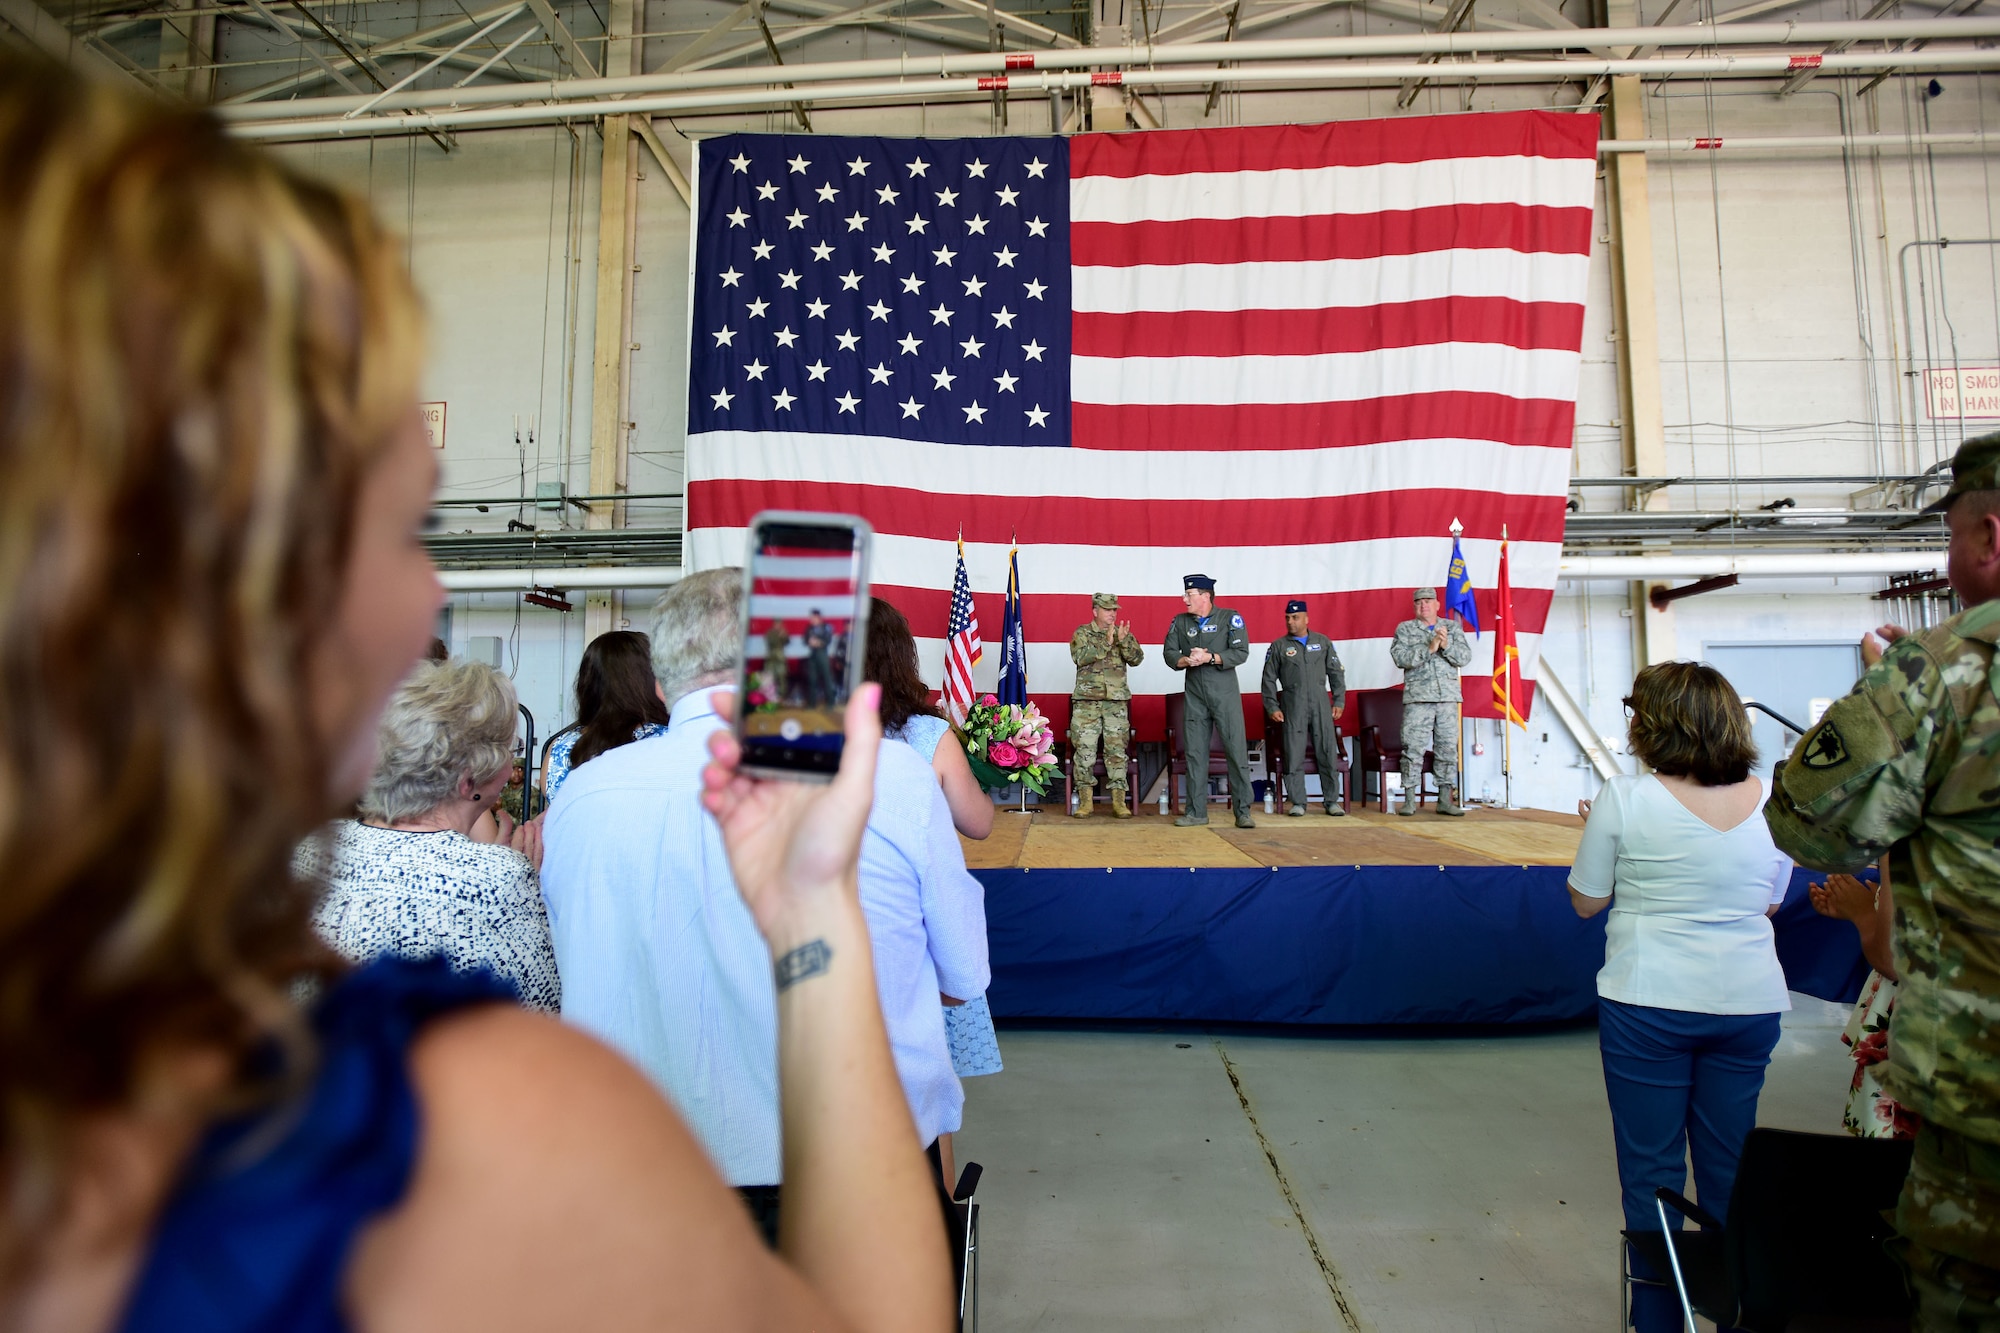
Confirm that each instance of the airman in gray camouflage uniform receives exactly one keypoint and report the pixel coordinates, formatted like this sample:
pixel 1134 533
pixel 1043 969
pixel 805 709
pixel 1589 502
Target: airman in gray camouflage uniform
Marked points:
pixel 1102 650
pixel 1908 766
pixel 1430 651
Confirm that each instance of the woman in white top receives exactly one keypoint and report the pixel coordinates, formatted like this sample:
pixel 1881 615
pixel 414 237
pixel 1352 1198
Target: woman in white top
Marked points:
pixel 1691 988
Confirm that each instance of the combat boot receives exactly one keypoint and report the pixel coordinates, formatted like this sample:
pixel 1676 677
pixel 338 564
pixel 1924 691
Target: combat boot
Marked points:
pixel 1409 805
pixel 1336 811
pixel 1448 802
pixel 1119 810
pixel 1084 796
pixel 1243 820
pixel 1196 814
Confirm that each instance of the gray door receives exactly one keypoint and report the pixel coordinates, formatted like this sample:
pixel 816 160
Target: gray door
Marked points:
pixel 1787 677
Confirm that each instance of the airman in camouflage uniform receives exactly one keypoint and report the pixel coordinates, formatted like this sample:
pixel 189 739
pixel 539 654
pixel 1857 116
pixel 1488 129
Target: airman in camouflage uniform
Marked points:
pixel 1299 669
pixel 1430 651
pixel 1209 642
pixel 1102 650
pixel 776 639
pixel 1908 765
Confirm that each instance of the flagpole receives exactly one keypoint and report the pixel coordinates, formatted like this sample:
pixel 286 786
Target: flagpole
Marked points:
pixel 1459 706
pixel 1507 732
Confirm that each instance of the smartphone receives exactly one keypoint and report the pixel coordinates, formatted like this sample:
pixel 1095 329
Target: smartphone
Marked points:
pixel 805 639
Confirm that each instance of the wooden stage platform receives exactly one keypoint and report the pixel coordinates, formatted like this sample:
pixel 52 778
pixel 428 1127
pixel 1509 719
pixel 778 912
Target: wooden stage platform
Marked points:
pixel 1049 841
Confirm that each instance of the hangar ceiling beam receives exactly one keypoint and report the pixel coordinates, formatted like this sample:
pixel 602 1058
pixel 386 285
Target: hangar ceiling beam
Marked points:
pixel 43 30
pixel 611 357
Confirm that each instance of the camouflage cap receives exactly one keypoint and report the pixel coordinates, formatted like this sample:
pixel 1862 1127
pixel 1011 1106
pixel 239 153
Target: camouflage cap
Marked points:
pixel 1104 601
pixel 1975 467
pixel 1424 594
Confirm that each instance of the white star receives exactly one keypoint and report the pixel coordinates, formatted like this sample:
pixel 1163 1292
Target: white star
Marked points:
pixel 847 340
pixel 976 225
pixel 1037 417
pixel 816 309
pixel 917 224
pixel 730 277
pixel 767 191
pixel 946 198
pixel 941 315
pixel 795 219
pixel 1037 167
pixel 786 337
pixel 723 337
pixel 883 254
pixel 1008 195
pixel 944 256
pixel 879 374
pixel 822 251
pixel 1037 227
pixel 976 413
pixel 783 399
pixel 1004 257
pixel 879 311
pixel 816 371
pixel 848 402
pixel 850 281
pixel 943 379
pixel 1003 318
pixel 755 370
pixel 974 286
pixel 913 283
pixel 919 167
pixel 737 218
pixel 1033 350
pixel 757 308
pixel 857 167
pixel 789 280
pixel 911 406
pixel 856 220
pixel 887 194
pixel 762 249
pixel 971 347
pixel 910 342
pixel 724 398
pixel 799 165
pixel 826 192
pixel 1035 290
pixel 740 162
pixel 975 168
pixel 1006 382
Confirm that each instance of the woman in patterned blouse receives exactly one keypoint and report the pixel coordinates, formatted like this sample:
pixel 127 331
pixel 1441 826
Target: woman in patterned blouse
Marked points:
pixel 406 878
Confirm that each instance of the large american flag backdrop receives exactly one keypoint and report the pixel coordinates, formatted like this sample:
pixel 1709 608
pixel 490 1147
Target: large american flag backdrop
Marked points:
pixel 1287 357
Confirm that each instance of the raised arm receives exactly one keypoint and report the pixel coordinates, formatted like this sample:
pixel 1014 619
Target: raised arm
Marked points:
pixel 1128 647
pixel 1456 650
pixel 1236 649
pixel 1407 650
pixel 1087 645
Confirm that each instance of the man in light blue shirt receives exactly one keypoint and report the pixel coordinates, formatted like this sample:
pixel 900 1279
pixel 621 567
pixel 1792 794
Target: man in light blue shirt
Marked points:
pixel 660 957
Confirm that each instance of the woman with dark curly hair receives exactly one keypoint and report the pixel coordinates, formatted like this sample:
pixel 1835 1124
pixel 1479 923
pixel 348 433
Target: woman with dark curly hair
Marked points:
pixel 213 485
pixel 1691 990
pixel 617 702
pixel 907 715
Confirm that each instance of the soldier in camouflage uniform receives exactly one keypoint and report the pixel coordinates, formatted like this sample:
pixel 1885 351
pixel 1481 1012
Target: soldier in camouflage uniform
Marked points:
pixel 1430 651
pixel 1102 650
pixel 1209 642
pixel 1908 765
pixel 776 639
pixel 1299 669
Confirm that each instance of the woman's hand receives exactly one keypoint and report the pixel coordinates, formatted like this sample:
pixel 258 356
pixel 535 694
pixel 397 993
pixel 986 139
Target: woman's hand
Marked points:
pixel 1583 811
pixel 1844 898
pixel 524 838
pixel 794 847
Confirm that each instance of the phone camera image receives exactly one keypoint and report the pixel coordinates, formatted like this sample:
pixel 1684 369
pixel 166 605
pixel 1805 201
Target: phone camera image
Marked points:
pixel 803 640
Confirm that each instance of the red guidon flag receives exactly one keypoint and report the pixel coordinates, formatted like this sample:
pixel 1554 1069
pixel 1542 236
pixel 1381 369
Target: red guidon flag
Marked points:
pixel 1510 692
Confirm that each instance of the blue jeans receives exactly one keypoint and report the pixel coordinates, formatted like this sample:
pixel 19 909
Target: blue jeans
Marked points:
pixel 1680 1085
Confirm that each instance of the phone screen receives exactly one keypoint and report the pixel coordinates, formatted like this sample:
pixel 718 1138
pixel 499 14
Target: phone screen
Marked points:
pixel 805 635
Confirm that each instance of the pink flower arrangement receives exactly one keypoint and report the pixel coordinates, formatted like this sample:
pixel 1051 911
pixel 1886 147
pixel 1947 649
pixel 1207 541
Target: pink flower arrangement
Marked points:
pixel 1009 743
pixel 1002 755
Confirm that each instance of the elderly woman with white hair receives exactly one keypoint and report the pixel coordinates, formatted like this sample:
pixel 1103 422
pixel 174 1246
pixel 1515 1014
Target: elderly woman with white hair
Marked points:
pixel 408 876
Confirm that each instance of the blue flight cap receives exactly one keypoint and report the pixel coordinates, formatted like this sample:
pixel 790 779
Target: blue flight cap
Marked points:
pixel 1296 605
pixel 1201 582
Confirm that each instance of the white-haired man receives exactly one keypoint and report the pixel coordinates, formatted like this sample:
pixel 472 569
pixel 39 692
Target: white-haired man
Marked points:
pixel 658 953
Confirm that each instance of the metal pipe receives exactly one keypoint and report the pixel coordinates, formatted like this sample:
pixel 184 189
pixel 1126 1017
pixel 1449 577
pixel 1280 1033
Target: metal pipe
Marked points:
pixel 1769 564
pixel 582 576
pixel 422 70
pixel 1193 53
pixel 1808 142
pixel 1319 75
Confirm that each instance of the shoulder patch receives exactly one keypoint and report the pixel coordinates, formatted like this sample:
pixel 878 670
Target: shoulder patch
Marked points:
pixel 1825 750
pixel 1237 621
pixel 1292 652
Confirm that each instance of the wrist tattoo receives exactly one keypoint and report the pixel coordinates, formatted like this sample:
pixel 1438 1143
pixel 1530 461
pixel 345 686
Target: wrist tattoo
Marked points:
pixel 803 963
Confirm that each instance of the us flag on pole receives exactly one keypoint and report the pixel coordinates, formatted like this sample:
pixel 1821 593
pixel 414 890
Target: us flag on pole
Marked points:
pixel 1284 356
pixel 962 650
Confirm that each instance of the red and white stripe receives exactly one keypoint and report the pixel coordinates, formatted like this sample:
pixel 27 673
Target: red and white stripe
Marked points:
pixel 1298 353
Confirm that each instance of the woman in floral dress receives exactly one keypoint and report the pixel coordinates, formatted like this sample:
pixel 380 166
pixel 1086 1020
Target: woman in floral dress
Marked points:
pixel 1871 1113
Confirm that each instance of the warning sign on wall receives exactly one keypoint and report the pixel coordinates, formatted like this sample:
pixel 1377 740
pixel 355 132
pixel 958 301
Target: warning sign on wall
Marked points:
pixel 434 423
pixel 1955 391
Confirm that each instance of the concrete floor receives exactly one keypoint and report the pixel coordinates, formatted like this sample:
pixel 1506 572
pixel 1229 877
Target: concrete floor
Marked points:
pixel 1162 1180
